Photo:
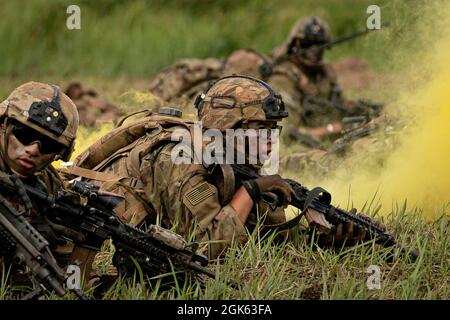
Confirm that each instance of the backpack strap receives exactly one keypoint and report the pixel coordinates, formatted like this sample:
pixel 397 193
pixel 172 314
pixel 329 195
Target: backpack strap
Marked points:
pixel 91 174
pixel 136 212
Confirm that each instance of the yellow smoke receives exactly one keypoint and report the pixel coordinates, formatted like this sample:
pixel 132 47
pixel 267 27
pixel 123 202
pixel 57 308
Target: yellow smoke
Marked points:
pixel 132 101
pixel 419 169
pixel 86 137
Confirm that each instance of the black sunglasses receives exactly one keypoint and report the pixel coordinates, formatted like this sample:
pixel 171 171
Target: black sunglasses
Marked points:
pixel 27 136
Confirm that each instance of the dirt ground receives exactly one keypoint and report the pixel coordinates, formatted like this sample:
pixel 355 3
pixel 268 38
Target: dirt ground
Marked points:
pixel 355 74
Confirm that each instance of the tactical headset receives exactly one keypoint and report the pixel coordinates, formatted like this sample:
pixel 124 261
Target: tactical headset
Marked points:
pixel 273 105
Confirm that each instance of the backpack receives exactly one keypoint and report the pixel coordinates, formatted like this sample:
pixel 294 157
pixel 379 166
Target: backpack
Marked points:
pixel 113 162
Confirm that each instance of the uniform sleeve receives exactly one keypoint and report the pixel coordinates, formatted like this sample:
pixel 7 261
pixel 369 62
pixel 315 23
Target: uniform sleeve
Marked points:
pixel 187 202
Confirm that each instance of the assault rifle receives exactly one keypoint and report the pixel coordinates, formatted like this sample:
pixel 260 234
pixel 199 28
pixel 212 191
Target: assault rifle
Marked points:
pixel 314 105
pixel 302 138
pixel 366 107
pixel 322 106
pixel 361 130
pixel 351 36
pixel 266 68
pixel 320 200
pixel 355 120
pixel 156 251
pixel 20 241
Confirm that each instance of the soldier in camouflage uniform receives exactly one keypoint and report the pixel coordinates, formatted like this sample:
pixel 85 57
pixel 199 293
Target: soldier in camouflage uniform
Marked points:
pixel 181 82
pixel 185 77
pixel 189 197
pixel 309 85
pixel 247 62
pixel 376 138
pixel 38 126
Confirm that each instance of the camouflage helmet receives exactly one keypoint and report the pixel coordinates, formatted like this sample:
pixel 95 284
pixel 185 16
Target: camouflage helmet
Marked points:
pixel 238 99
pixel 306 30
pixel 45 109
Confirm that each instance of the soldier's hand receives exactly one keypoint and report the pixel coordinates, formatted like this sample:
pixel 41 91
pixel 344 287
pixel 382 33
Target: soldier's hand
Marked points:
pixel 272 183
pixel 373 221
pixel 343 233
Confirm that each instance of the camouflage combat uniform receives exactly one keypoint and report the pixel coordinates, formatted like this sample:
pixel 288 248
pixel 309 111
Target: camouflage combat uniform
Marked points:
pixel 186 78
pixel 376 138
pixel 195 200
pixel 185 197
pixel 307 87
pixel 188 199
pixel 49 182
pixel 247 62
pixel 15 109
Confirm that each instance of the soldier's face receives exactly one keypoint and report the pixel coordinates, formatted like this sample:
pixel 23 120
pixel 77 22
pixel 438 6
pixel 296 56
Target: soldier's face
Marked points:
pixel 264 142
pixel 309 50
pixel 314 55
pixel 25 160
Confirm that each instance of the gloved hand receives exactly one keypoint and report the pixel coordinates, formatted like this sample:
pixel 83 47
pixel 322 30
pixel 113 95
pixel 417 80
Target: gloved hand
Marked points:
pixel 272 183
pixel 343 233
pixel 54 233
pixel 370 220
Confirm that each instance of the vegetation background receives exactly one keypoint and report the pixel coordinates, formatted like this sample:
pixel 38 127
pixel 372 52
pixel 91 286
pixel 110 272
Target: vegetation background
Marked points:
pixel 121 44
pixel 135 39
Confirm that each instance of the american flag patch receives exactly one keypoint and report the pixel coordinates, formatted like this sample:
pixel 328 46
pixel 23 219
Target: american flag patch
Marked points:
pixel 200 193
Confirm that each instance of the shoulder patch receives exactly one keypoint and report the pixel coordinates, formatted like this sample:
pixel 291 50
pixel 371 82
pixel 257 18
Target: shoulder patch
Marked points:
pixel 199 193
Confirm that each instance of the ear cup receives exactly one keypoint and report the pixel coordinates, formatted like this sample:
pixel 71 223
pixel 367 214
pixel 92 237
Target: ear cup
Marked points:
pixel 198 103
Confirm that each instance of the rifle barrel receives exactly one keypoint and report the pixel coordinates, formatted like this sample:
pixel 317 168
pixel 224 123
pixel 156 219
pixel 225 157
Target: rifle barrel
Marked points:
pixel 347 37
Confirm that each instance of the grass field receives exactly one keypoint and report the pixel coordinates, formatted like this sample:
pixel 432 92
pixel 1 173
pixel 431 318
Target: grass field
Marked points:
pixel 121 39
pixel 297 269
pixel 121 44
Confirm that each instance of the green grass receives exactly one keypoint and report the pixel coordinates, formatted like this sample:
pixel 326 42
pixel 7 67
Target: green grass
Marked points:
pixel 138 38
pixel 122 44
pixel 297 269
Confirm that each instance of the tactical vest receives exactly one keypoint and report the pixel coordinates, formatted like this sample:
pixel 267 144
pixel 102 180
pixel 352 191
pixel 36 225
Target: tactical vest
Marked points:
pixel 113 162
